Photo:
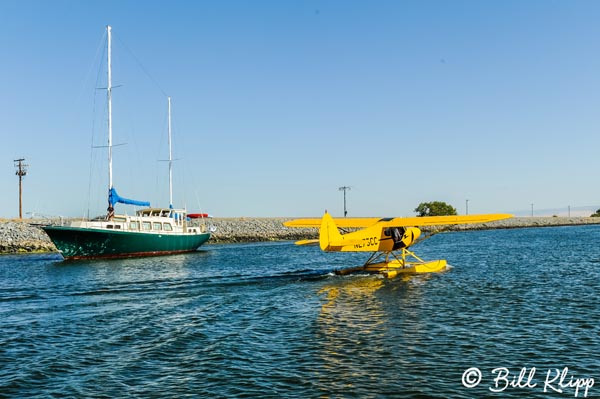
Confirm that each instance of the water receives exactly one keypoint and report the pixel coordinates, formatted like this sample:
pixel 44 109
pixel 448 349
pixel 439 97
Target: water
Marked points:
pixel 271 320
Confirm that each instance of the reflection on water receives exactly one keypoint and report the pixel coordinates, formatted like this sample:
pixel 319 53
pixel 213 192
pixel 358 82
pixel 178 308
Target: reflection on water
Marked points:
pixel 359 332
pixel 350 325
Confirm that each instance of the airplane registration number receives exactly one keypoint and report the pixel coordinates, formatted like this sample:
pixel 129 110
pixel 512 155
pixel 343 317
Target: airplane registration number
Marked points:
pixel 367 242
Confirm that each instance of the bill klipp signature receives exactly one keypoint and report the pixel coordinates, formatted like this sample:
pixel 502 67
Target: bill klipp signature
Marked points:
pixel 556 380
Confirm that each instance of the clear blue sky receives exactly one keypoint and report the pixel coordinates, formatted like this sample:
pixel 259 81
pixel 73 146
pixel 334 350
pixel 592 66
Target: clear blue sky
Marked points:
pixel 276 104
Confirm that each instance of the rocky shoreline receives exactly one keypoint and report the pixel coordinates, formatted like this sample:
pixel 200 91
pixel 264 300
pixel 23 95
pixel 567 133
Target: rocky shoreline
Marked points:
pixel 26 236
pixel 22 237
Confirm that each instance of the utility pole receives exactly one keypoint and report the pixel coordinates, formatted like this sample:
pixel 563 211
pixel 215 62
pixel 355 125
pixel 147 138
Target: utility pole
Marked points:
pixel 21 172
pixel 344 189
pixel 467 206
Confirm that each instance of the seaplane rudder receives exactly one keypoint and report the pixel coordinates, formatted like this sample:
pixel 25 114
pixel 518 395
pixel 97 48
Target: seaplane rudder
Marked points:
pixel 328 233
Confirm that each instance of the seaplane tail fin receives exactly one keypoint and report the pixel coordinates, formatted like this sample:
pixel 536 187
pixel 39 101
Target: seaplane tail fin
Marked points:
pixel 328 233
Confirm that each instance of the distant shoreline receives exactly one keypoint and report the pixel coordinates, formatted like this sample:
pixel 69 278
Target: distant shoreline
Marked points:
pixel 25 236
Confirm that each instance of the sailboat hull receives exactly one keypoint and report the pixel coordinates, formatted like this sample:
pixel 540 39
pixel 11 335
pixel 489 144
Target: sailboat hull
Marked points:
pixel 85 243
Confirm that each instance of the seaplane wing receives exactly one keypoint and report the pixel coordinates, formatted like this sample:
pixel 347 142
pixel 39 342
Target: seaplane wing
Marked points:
pixel 400 221
pixel 340 222
pixel 442 220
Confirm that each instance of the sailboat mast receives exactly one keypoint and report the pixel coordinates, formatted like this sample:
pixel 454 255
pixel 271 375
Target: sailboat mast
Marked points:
pixel 109 99
pixel 170 161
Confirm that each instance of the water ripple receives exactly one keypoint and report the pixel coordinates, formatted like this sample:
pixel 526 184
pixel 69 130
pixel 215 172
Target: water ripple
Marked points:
pixel 272 320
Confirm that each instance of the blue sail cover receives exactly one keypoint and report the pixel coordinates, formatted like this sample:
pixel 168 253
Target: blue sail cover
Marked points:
pixel 114 198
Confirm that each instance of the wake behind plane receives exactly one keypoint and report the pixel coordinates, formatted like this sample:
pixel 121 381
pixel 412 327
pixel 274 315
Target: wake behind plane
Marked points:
pixel 388 240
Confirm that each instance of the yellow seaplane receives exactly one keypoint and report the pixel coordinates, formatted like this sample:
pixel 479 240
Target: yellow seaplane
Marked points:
pixel 388 239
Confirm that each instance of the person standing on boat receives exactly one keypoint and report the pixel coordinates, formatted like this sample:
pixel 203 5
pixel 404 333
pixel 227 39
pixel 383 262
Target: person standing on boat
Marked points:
pixel 111 212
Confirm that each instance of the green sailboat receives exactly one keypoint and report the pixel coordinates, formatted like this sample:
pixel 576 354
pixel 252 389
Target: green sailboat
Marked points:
pixel 151 231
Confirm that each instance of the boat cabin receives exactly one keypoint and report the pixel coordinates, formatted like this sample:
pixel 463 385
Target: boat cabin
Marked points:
pixel 149 220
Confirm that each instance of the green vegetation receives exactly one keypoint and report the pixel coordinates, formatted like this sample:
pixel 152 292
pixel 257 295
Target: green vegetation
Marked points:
pixel 597 214
pixel 435 208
